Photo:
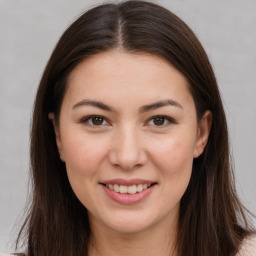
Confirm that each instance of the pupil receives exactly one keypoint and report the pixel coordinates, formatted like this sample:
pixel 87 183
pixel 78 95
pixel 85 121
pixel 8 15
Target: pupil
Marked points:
pixel 159 121
pixel 97 120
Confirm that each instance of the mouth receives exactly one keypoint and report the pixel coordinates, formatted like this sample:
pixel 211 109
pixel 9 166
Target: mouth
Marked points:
pixel 128 191
pixel 131 189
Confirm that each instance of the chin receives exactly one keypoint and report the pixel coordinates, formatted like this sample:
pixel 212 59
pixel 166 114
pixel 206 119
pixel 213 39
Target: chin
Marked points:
pixel 129 227
pixel 129 222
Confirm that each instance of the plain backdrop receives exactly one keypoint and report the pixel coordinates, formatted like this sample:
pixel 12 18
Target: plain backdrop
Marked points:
pixel 28 33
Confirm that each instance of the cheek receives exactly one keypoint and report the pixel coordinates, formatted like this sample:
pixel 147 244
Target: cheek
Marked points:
pixel 173 154
pixel 83 157
pixel 174 159
pixel 174 162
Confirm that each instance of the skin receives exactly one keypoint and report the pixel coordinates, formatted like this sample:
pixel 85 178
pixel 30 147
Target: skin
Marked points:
pixel 129 144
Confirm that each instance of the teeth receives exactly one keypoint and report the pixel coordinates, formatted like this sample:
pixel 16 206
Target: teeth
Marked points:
pixel 133 189
pixel 123 189
pixel 116 188
pixel 139 188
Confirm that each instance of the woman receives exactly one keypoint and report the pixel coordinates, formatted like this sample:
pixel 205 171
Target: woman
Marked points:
pixel 129 143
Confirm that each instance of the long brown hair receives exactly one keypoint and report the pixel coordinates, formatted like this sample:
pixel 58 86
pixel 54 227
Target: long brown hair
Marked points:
pixel 212 221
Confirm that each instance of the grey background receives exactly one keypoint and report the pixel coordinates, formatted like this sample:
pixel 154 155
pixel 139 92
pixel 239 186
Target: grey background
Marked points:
pixel 28 33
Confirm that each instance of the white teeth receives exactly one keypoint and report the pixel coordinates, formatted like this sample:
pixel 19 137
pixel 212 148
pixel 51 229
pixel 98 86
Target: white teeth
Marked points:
pixel 133 189
pixel 116 188
pixel 123 189
pixel 139 188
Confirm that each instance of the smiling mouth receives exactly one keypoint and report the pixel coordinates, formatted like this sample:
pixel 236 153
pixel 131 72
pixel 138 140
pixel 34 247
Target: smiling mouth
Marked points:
pixel 132 189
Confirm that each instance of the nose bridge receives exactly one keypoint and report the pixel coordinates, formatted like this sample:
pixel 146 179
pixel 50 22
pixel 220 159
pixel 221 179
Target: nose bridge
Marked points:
pixel 127 149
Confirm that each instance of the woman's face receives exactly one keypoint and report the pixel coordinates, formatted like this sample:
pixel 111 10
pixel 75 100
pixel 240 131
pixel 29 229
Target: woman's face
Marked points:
pixel 128 134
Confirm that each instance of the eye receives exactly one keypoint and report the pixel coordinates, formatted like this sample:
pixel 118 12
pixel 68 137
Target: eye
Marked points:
pixel 95 121
pixel 160 121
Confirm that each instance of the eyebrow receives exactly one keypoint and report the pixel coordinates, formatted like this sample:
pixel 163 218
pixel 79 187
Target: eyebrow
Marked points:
pixel 101 105
pixel 160 104
pixel 93 103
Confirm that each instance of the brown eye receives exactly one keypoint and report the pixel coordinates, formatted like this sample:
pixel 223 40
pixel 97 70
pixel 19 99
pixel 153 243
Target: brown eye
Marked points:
pixel 159 120
pixel 97 120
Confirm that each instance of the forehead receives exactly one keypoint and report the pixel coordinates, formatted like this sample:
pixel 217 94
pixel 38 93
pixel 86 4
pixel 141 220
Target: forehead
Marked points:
pixel 117 74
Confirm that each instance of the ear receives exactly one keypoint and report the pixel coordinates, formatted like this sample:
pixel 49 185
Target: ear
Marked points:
pixel 51 116
pixel 204 128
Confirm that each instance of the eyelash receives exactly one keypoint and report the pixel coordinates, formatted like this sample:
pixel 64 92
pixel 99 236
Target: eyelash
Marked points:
pixel 87 119
pixel 167 119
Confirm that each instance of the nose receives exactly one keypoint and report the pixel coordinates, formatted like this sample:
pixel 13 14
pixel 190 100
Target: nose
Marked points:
pixel 127 150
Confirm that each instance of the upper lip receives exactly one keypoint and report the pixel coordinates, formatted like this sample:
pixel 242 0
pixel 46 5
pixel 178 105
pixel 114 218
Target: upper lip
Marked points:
pixel 127 182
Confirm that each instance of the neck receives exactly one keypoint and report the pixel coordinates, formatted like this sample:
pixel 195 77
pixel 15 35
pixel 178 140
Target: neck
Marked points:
pixel 158 240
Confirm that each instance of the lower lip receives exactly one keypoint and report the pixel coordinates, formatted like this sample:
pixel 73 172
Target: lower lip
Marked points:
pixel 128 198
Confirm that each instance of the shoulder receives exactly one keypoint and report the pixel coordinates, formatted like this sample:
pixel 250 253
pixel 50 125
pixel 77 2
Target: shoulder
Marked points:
pixel 248 247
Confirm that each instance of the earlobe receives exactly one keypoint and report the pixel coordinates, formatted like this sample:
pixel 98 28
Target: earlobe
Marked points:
pixel 51 116
pixel 204 128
